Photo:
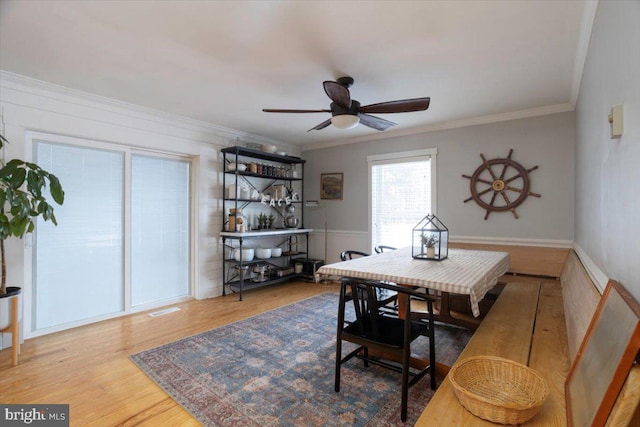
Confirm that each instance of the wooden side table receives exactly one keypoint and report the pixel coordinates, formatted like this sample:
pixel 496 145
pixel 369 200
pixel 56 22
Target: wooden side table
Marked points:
pixel 14 329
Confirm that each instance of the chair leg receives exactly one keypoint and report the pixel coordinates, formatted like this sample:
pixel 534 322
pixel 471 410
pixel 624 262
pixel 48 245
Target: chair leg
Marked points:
pixel 405 389
pixel 336 384
pixel 432 351
pixel 365 352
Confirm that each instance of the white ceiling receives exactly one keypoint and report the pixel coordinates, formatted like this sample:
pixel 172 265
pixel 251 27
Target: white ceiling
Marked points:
pixel 222 62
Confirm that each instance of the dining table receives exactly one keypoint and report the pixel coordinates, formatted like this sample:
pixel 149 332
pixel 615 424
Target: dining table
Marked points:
pixel 464 271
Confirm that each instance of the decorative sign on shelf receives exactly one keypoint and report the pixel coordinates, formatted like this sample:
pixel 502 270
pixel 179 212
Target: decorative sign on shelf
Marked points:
pixel 501 189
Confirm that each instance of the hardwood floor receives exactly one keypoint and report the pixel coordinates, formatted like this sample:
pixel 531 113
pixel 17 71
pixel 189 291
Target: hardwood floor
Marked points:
pixel 89 367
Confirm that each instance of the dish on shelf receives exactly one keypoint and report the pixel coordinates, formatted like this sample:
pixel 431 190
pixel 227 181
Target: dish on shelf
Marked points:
pixel 247 254
pixel 232 166
pixel 276 252
pixel 263 253
pixel 268 148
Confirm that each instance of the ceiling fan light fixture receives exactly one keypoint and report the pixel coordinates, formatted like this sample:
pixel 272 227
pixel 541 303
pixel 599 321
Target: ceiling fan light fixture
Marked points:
pixel 345 121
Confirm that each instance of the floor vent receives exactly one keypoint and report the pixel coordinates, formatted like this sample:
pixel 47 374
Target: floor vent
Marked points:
pixel 163 312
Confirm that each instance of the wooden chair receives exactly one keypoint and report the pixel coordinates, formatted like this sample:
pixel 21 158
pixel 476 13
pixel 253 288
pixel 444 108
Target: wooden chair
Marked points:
pixel 379 334
pixel 350 254
pixel 382 248
pixel 385 296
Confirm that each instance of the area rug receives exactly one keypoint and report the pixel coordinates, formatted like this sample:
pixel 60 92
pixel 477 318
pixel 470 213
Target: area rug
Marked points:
pixel 277 369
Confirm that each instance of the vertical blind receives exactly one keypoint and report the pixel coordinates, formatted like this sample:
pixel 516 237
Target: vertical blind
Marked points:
pixel 400 198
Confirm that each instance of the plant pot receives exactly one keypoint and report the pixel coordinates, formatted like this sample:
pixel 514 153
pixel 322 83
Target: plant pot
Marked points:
pixel 431 252
pixel 6 311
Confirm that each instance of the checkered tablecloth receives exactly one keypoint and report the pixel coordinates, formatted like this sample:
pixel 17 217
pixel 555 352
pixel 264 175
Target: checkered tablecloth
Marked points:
pixel 466 272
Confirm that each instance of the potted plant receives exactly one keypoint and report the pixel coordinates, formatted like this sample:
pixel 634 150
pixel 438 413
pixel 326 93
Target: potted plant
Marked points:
pixel 262 221
pixel 430 241
pixel 22 201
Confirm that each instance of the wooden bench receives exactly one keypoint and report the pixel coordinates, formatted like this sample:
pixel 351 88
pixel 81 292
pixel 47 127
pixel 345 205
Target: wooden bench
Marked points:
pixel 539 324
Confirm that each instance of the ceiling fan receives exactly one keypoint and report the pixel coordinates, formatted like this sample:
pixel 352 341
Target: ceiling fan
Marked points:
pixel 346 113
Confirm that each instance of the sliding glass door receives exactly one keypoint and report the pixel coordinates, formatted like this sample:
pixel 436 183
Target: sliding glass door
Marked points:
pixel 159 229
pixel 79 264
pixel 123 235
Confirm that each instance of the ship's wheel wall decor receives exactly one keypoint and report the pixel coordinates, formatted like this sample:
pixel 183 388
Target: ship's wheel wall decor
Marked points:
pixel 500 185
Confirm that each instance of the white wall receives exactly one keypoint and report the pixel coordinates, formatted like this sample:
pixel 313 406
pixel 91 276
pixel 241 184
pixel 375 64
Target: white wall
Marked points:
pixel 27 104
pixel 547 141
pixel 607 196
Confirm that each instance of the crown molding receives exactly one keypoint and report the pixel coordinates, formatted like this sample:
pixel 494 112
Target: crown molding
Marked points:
pixel 453 124
pixel 80 98
pixel 588 17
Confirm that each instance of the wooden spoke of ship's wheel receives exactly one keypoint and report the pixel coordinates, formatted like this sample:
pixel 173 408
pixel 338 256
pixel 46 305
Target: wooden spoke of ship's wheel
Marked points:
pixel 499 185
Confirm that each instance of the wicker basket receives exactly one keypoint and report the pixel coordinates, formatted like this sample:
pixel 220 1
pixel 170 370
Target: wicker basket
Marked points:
pixel 497 389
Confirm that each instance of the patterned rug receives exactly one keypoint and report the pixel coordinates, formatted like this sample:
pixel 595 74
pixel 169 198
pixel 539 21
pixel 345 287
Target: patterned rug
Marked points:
pixel 277 369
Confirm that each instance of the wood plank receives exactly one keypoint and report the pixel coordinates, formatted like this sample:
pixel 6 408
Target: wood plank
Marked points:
pixel 580 298
pixel 626 411
pixel 89 368
pixel 534 260
pixel 549 355
pixel 505 332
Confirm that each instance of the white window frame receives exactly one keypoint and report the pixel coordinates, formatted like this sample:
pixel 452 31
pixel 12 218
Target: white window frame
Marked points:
pixel 399 157
pixel 127 150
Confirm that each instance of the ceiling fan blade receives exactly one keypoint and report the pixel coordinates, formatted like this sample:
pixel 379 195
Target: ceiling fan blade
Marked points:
pixel 337 93
pixel 275 110
pixel 321 125
pixel 400 106
pixel 375 122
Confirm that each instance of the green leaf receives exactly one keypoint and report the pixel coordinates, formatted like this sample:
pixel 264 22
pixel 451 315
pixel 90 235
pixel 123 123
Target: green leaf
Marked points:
pixel 9 169
pixel 56 189
pixel 33 184
pixel 18 228
pixel 16 179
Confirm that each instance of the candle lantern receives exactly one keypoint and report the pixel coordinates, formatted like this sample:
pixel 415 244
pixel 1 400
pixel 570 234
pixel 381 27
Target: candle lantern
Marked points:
pixel 430 239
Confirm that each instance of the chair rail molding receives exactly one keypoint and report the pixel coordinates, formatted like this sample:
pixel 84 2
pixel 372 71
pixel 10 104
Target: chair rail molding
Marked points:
pixel 595 273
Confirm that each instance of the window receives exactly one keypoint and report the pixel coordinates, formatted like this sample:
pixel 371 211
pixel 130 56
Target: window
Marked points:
pixel 124 236
pixel 402 191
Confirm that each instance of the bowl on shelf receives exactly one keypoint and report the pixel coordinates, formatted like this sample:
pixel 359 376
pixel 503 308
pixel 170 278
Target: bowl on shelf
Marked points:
pixel 263 253
pixel 275 252
pixel 232 166
pixel 268 148
pixel 247 254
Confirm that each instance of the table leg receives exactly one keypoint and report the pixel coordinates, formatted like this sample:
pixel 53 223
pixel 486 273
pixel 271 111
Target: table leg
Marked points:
pixel 445 315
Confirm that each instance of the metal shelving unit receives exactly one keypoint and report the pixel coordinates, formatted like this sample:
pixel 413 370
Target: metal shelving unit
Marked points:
pixel 237 274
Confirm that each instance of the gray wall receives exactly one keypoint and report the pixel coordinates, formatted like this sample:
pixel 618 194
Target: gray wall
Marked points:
pixel 547 141
pixel 608 170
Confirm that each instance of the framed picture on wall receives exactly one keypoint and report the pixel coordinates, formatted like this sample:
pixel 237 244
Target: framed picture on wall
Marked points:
pixel 607 352
pixel 331 186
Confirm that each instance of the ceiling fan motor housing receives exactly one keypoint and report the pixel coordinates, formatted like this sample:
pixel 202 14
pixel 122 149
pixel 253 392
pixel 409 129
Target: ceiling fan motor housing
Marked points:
pixel 345 81
pixel 353 110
